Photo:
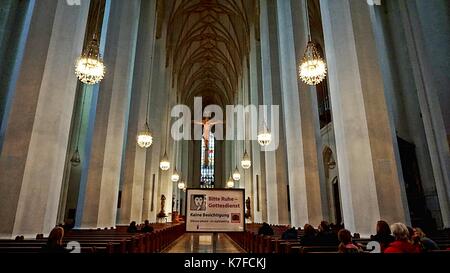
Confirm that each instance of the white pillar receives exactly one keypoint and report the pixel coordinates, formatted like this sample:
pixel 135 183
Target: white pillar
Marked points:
pixel 370 184
pixel 275 179
pixel 300 123
pixel 99 208
pixel 136 180
pixel 259 204
pixel 37 129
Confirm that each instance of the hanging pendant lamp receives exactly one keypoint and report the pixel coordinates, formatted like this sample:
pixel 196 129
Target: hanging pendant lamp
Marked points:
pixel 165 163
pixel 312 68
pixel 89 68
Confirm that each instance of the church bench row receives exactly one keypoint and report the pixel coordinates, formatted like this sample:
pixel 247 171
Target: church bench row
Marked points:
pixel 251 242
pixel 95 241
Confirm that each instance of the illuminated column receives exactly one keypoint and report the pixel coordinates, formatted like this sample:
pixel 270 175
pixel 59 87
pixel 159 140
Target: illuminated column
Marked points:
pixel 137 182
pixel 259 204
pixel 300 119
pixel 98 208
pixel 275 180
pixel 36 128
pixel 370 184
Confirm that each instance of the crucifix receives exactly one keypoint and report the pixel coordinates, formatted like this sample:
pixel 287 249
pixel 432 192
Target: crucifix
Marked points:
pixel 207 125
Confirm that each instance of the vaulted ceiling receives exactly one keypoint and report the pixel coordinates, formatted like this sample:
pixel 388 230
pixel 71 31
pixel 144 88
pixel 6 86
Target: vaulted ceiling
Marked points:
pixel 207 42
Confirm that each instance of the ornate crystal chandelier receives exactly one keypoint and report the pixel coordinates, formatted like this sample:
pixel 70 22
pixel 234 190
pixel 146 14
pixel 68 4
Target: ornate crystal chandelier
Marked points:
pixel 89 68
pixel 246 163
pixel 236 175
pixel 264 137
pixel 144 138
pixel 312 69
pixel 165 163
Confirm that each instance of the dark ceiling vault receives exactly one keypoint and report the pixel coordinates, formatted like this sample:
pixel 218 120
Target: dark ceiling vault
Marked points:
pixel 207 45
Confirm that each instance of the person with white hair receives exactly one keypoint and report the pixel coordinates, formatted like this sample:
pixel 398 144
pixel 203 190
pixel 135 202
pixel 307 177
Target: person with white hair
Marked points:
pixel 402 243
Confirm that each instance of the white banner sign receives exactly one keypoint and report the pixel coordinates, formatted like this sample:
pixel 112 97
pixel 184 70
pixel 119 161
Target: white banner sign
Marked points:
pixel 214 210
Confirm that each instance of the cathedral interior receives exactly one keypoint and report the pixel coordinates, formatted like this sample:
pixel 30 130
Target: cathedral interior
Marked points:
pixel 365 140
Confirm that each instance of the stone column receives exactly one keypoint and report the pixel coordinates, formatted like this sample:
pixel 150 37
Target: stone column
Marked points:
pixel 158 120
pixel 38 123
pixel 136 181
pixel 300 119
pixel 13 30
pixel 257 158
pixel 370 184
pixel 275 177
pixel 429 63
pixel 99 208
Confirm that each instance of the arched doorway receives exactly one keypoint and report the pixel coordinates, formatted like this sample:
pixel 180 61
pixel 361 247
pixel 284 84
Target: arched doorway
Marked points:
pixel 332 181
pixel 337 200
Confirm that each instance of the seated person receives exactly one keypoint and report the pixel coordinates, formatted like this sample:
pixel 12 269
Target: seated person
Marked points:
pixel 402 244
pixel 147 227
pixel 346 245
pixel 265 229
pixel 325 236
pixel 309 236
pixel 423 241
pixel 383 235
pixel 55 242
pixel 132 228
pixel 290 234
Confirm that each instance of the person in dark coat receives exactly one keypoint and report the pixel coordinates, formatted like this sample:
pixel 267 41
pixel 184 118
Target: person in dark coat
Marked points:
pixel 290 234
pixel 147 227
pixel 325 236
pixel 265 229
pixel 383 235
pixel 309 236
pixel 132 228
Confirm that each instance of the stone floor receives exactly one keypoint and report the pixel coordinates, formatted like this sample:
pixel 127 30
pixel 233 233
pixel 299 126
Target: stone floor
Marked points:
pixel 204 243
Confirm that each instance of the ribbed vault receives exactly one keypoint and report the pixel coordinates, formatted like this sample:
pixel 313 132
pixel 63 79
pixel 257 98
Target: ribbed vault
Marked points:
pixel 207 41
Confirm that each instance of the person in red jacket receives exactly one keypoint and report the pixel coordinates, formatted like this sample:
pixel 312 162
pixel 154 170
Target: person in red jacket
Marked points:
pixel 402 243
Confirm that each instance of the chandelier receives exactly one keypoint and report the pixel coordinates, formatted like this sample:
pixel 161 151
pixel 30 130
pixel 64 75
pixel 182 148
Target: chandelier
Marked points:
pixel 181 185
pixel 264 137
pixel 89 68
pixel 230 183
pixel 175 176
pixel 236 175
pixel 76 159
pixel 312 69
pixel 144 138
pixel 246 163
pixel 165 163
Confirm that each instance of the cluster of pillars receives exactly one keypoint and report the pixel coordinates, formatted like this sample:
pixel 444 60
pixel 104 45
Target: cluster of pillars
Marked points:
pixel 43 99
pixel 287 186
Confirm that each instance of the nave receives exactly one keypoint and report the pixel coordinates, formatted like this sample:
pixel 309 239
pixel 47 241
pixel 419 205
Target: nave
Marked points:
pixel 369 142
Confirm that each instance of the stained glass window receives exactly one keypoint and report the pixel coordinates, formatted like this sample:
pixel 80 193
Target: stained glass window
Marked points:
pixel 207 162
